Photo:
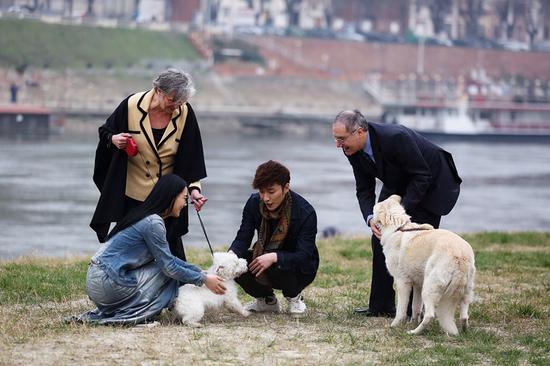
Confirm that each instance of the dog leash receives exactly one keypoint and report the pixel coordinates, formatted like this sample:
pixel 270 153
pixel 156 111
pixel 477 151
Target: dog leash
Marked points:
pixel 204 231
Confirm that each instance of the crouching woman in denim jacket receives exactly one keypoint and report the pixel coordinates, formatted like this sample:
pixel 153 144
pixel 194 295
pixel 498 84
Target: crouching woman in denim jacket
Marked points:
pixel 134 276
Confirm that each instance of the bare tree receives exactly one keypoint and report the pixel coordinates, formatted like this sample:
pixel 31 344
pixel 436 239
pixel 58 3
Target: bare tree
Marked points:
pixel 510 20
pixel 213 7
pixel 508 12
pixel 438 11
pixel 533 11
pixel 379 11
pixel 135 13
pixel 293 11
pixel 261 12
pixel 329 14
pixel 31 8
pixel 90 8
pixel 471 15
pixel 68 7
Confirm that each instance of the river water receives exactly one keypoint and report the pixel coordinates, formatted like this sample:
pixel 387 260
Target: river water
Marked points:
pixel 47 196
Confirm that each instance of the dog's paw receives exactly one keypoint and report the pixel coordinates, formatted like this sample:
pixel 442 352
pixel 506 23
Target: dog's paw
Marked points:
pixel 421 327
pixel 451 333
pixel 245 313
pixel 193 324
pixel 396 322
pixel 464 324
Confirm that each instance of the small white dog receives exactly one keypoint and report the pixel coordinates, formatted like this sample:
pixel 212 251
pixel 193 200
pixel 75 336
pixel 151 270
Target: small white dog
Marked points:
pixel 193 301
pixel 436 264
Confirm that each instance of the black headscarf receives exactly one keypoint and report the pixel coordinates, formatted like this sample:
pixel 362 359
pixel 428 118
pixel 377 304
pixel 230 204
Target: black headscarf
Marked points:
pixel 159 200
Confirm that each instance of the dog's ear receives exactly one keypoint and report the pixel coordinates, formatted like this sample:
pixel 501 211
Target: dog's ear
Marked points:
pixel 396 198
pixel 379 218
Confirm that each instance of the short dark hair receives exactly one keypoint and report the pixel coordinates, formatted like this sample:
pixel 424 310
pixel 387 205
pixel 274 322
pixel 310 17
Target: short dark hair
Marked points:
pixel 269 173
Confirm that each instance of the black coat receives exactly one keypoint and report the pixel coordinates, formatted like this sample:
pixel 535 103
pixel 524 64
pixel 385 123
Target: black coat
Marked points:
pixel 299 252
pixel 409 165
pixel 111 165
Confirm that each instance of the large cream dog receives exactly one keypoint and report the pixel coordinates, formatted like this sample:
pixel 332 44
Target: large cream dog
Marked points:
pixel 436 264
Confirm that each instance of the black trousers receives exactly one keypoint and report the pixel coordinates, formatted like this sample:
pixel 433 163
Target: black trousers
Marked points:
pixel 291 283
pixel 382 295
pixel 174 241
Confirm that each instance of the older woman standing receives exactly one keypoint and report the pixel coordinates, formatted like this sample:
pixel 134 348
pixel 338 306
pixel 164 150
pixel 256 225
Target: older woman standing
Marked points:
pixel 163 125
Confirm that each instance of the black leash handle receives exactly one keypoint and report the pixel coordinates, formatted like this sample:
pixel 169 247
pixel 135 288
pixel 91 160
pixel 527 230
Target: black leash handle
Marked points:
pixel 204 231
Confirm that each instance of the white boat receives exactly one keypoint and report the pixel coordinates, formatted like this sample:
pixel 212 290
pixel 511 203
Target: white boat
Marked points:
pixel 481 120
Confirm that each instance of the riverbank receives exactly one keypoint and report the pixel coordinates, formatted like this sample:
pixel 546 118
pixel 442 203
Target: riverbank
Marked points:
pixel 81 93
pixel 510 318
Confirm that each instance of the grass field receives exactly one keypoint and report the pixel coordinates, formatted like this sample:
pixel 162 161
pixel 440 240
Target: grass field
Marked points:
pixel 33 43
pixel 510 318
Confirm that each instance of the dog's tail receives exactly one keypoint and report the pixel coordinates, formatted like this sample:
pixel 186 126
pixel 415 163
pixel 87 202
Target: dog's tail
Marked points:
pixel 459 277
pixel 468 296
pixel 459 289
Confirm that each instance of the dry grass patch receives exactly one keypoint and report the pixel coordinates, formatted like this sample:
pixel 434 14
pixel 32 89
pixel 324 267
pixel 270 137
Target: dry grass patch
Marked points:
pixel 510 319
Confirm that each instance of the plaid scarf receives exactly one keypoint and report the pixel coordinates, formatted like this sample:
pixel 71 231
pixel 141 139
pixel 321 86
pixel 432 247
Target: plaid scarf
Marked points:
pixel 265 243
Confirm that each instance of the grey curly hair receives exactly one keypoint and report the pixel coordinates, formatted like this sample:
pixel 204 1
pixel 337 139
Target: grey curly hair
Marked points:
pixel 176 83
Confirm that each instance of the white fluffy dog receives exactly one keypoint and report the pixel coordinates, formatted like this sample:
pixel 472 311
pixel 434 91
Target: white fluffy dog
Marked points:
pixel 436 264
pixel 193 301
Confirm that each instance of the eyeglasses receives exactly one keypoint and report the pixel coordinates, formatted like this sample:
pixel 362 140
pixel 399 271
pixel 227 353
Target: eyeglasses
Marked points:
pixel 341 140
pixel 171 100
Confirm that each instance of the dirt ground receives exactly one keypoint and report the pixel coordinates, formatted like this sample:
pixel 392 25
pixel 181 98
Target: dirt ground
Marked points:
pixel 223 340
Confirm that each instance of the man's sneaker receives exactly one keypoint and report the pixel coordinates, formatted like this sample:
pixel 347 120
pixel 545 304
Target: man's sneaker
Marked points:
pixel 264 304
pixel 296 305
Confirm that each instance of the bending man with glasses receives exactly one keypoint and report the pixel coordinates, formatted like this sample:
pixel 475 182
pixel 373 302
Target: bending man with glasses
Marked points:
pixel 407 164
pixel 162 124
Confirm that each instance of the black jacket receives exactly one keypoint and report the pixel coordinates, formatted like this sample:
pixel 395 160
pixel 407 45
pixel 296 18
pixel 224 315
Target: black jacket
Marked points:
pixel 409 165
pixel 111 164
pixel 299 251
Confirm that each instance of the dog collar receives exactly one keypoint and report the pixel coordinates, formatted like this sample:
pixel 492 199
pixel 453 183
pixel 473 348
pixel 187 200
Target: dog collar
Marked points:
pixel 402 228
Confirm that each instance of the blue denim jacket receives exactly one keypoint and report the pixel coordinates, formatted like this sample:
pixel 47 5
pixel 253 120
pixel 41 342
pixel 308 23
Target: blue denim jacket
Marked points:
pixel 138 245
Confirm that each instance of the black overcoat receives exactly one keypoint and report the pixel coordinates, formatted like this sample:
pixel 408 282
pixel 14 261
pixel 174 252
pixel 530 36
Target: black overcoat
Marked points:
pixel 409 165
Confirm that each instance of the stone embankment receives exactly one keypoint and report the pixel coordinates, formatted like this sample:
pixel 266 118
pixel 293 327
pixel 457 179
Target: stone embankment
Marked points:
pixel 350 60
pixel 96 93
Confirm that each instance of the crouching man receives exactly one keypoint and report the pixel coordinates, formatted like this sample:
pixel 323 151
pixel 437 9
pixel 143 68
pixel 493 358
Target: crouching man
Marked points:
pixel 285 256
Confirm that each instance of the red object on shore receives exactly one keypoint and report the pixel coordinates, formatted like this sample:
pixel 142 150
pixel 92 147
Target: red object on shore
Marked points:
pixel 131 147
